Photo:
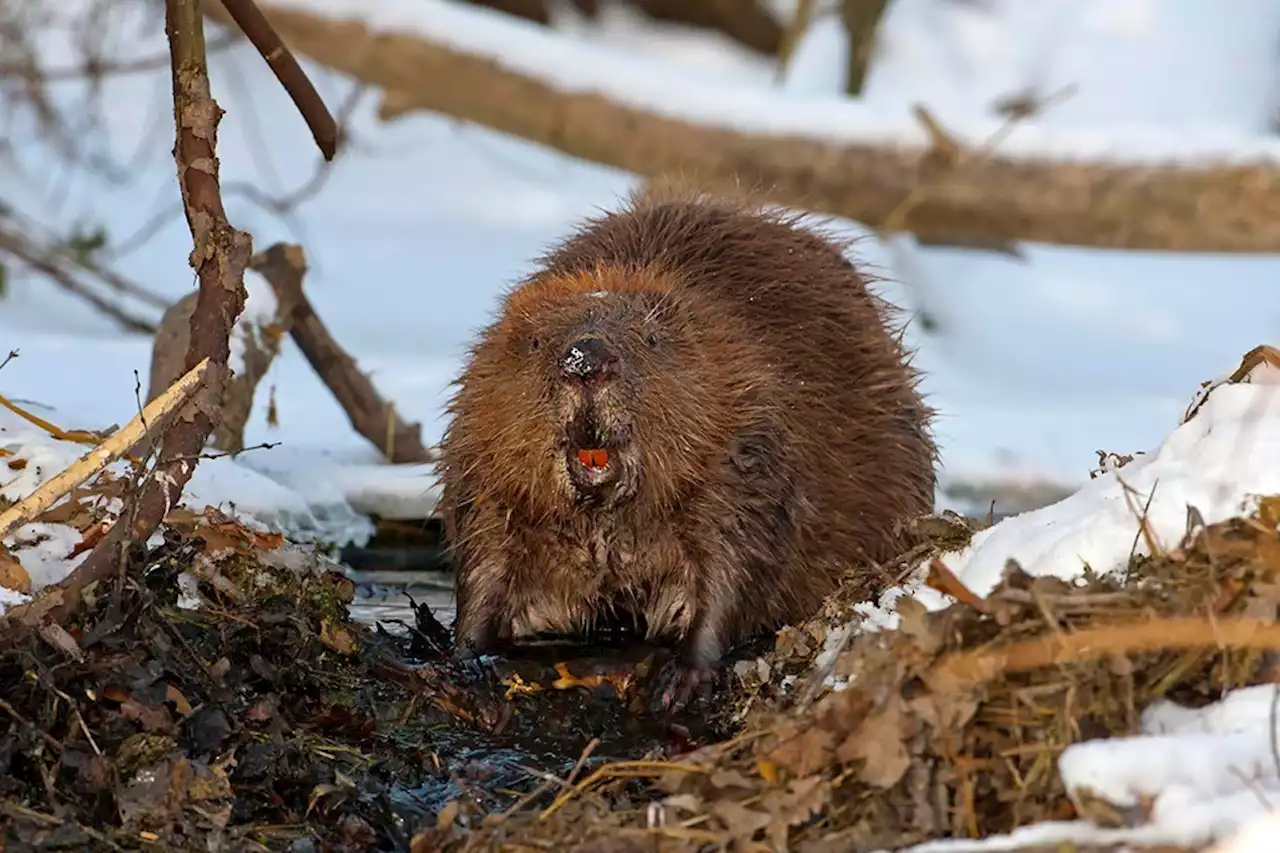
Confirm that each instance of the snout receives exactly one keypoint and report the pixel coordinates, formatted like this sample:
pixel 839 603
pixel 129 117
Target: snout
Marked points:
pixel 588 359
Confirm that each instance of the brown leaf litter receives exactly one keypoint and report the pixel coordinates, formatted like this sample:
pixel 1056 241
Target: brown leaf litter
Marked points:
pixel 949 725
pixel 267 720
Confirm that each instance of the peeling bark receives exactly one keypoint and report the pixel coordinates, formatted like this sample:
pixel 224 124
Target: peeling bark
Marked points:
pixel 220 254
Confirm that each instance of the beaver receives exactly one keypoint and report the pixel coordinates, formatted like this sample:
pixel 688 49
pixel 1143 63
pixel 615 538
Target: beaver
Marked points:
pixel 694 414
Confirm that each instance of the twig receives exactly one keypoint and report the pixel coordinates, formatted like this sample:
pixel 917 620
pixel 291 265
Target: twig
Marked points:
pixel 220 255
pixel 23 250
pixel 51 246
pixel 152 418
pixel 800 22
pixel 79 436
pixel 13 353
pixel 95 68
pixel 287 70
pixel 283 266
pixel 951 157
pixel 620 770
pixel 970 668
pixel 861 21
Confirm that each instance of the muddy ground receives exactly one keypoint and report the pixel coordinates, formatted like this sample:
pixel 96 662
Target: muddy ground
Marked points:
pixel 268 720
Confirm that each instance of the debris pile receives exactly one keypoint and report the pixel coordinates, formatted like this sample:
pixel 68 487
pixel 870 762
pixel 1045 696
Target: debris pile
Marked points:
pixel 949 725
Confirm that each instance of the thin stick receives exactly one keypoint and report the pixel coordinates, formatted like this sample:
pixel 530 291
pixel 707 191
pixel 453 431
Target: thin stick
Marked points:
pixel 970 668
pixel 30 256
pixel 76 435
pixel 250 20
pixel 149 421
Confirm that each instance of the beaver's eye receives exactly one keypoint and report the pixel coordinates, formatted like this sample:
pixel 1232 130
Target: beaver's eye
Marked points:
pixel 534 343
pixel 651 339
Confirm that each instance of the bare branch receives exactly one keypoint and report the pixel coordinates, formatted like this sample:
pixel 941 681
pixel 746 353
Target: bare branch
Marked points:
pixel 149 421
pixel 287 70
pixel 220 256
pixel 861 21
pixel 49 265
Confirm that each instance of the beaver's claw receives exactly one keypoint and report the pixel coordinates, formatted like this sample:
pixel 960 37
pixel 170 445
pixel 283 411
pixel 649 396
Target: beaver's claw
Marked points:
pixel 679 684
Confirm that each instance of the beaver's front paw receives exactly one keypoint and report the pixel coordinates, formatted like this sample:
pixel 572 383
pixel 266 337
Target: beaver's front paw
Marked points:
pixel 680 684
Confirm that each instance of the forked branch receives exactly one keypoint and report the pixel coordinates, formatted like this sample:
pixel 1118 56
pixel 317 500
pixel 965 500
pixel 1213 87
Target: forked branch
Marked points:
pixel 219 256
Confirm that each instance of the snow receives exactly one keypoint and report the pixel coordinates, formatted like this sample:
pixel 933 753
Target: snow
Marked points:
pixel 259 313
pixel 579 66
pixel 1036 363
pixel 1207 774
pixel 1227 452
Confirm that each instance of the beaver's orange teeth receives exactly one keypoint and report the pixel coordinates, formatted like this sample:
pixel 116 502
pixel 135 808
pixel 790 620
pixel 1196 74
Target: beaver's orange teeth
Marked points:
pixel 594 458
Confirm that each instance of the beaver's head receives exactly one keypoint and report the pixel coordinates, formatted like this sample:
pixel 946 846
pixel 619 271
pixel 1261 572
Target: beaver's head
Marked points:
pixel 598 390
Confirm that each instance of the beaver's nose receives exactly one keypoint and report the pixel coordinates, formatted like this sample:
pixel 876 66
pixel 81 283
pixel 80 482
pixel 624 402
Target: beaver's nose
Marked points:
pixel 588 358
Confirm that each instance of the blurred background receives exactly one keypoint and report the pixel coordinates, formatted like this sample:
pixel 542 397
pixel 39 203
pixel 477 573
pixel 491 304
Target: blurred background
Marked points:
pixel 1051 189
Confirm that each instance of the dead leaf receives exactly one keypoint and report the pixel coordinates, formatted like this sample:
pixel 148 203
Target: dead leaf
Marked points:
pixel 802 799
pixel 58 637
pixel 731 779
pixel 620 681
pixel 914 623
pixel 337 637
pixel 12 575
pixel 945 581
pixel 447 815
pixel 92 535
pixel 517 686
pixel 152 719
pixel 741 822
pixel 179 701
pixel 878 742
pixel 804 753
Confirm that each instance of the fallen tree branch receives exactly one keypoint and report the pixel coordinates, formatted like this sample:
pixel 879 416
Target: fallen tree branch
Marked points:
pixel 1209 207
pixel 284 265
pixel 152 420
pixel 324 130
pixel 259 346
pixel 747 22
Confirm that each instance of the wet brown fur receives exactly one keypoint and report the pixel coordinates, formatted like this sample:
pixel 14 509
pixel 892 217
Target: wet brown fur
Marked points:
pixel 774 433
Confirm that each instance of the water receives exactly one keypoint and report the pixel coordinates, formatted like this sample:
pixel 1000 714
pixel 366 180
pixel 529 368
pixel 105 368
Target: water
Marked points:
pixel 383 596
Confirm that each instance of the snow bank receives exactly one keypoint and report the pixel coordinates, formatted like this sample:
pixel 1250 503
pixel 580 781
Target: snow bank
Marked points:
pixel 577 66
pixel 1215 463
pixel 1210 776
pixel 1192 776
